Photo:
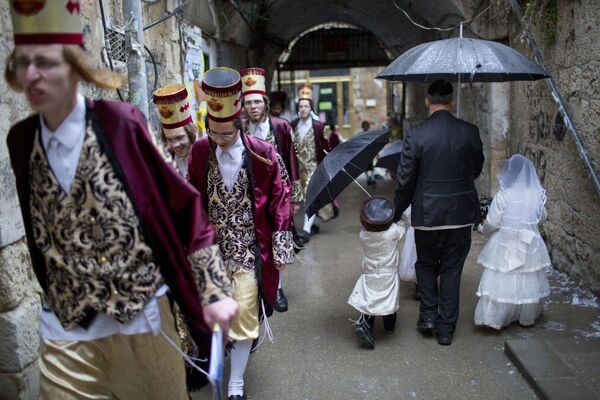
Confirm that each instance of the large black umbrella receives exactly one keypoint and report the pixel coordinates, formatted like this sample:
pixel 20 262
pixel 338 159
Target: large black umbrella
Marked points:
pixel 389 157
pixel 462 60
pixel 342 166
pixel 470 60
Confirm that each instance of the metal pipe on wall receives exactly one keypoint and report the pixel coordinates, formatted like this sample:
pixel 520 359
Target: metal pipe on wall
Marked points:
pixel 136 64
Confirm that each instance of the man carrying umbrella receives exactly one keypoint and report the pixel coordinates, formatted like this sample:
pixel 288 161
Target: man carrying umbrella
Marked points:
pixel 311 145
pixel 441 158
pixel 278 132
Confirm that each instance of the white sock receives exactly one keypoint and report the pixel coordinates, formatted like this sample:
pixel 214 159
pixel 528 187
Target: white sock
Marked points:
pixel 279 286
pixel 308 223
pixel 239 360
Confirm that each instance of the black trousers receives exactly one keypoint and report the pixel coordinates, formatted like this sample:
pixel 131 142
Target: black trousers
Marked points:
pixel 441 253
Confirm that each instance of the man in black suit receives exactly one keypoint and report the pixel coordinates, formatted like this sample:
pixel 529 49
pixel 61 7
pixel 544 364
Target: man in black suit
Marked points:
pixel 441 158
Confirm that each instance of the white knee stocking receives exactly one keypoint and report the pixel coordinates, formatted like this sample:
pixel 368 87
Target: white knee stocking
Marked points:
pixel 239 360
pixel 308 223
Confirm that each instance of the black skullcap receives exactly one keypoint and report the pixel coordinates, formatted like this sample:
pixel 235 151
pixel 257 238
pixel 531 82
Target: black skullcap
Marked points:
pixel 441 88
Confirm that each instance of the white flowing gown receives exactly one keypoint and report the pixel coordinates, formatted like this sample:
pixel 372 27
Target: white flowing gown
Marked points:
pixel 515 257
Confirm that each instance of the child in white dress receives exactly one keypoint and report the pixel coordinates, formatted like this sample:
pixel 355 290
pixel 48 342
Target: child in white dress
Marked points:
pixel 515 257
pixel 377 291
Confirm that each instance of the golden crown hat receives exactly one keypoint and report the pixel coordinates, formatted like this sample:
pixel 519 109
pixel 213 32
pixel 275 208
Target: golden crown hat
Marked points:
pixel 253 81
pixel 223 89
pixel 46 21
pixel 173 105
pixel 305 92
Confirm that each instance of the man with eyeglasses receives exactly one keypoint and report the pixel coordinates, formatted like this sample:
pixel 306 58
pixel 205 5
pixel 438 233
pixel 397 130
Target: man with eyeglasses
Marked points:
pixel 278 132
pixel 242 184
pixel 110 227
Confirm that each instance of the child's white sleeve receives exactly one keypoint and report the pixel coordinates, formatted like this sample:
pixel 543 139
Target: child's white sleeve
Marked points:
pixel 494 215
pixel 402 226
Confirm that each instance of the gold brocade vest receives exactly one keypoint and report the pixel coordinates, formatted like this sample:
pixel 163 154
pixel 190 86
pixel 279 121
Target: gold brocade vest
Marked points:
pixel 307 156
pixel 233 219
pixel 91 239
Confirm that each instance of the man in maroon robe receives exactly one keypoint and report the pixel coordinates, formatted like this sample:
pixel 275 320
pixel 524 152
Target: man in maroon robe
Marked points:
pixel 110 227
pixel 311 146
pixel 278 132
pixel 240 179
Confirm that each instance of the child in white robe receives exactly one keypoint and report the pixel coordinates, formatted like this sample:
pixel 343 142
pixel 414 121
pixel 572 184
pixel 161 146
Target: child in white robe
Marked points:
pixel 377 291
pixel 515 257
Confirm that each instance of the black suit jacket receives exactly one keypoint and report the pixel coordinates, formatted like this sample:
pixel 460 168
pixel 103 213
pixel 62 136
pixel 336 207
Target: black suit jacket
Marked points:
pixel 441 158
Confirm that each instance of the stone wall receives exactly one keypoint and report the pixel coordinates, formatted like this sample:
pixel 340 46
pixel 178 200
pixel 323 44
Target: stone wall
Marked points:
pixel 573 226
pixel 370 98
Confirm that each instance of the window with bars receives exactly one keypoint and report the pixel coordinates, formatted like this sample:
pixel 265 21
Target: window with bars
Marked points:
pixel 115 45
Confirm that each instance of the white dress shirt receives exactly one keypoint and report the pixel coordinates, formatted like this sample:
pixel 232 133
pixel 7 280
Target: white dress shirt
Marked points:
pixel 303 126
pixel 63 148
pixel 260 130
pixel 230 162
pixel 182 165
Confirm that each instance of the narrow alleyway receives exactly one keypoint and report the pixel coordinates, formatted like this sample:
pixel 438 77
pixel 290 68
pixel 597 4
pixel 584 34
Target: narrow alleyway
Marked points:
pixel 316 354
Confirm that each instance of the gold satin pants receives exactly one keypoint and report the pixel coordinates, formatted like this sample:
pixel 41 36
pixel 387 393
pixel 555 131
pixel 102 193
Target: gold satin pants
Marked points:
pixel 244 288
pixel 124 367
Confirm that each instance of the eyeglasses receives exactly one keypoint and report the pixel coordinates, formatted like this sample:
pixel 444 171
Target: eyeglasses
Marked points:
pixel 222 134
pixel 40 63
pixel 251 103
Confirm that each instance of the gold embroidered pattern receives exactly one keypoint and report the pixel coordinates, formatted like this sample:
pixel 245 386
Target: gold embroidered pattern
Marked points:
pixel 283 247
pixel 91 238
pixel 231 214
pixel 307 157
pixel 211 277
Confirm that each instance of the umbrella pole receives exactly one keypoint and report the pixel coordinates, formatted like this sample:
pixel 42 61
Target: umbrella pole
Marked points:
pixel 459 76
pixel 359 185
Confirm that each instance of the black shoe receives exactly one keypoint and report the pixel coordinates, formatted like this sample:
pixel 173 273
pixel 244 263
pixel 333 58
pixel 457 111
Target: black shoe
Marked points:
pixel 389 323
pixel 254 345
pixel 417 295
pixel 444 339
pixel 365 334
pixel 281 303
pixel 302 239
pixel 304 236
pixel 237 397
pixel 314 230
pixel 298 247
pixel 425 326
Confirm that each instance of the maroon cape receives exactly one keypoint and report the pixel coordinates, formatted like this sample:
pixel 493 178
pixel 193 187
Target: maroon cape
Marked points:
pixel 170 210
pixel 282 131
pixel 270 200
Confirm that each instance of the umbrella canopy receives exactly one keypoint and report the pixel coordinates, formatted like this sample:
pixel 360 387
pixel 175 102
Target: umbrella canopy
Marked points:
pixel 389 158
pixel 340 167
pixel 470 60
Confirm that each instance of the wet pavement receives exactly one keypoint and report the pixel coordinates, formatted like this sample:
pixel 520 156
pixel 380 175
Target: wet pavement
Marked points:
pixel 316 354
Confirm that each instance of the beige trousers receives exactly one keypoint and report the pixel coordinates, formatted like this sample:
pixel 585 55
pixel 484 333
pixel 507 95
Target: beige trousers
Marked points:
pixel 124 367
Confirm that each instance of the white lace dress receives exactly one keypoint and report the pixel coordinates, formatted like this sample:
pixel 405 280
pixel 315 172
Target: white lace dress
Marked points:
pixel 377 291
pixel 514 279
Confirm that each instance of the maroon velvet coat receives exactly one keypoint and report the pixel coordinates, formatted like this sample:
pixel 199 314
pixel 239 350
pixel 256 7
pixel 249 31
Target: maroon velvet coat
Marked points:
pixel 320 142
pixel 270 200
pixel 170 210
pixel 282 130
